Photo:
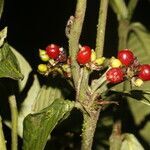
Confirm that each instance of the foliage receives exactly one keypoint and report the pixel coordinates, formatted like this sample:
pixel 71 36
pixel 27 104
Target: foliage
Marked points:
pixel 87 85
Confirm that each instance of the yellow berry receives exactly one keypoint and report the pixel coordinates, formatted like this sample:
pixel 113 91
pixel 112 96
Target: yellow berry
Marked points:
pixel 93 55
pixel 42 68
pixel 115 63
pixel 99 61
pixel 138 82
pixel 43 55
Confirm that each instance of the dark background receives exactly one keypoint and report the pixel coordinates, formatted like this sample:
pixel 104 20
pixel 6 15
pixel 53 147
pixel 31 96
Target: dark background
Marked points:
pixel 35 24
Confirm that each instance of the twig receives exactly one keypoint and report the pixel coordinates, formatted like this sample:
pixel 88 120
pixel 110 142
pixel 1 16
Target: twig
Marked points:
pixel 106 102
pixel 101 28
pixel 131 7
pixel 14 121
pixel 74 37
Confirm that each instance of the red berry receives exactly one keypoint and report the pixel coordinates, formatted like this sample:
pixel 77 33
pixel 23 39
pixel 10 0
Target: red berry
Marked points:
pixel 126 57
pixel 84 55
pixel 52 51
pixel 115 75
pixel 144 72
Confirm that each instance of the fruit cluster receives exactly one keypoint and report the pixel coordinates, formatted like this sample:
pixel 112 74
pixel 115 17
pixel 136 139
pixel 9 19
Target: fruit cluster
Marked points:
pixel 56 60
pixel 126 66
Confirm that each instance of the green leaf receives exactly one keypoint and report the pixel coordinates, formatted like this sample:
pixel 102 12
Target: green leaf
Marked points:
pixel 140 112
pixel 3 35
pixel 130 142
pixel 46 96
pixel 1 7
pixel 38 126
pixel 139 39
pixel 29 86
pixel 138 42
pixel 140 94
pixel 9 66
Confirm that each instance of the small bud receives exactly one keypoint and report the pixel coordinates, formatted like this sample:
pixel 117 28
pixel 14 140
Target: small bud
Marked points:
pixel 138 82
pixel 93 56
pixel 99 61
pixel 42 68
pixel 115 63
pixel 66 68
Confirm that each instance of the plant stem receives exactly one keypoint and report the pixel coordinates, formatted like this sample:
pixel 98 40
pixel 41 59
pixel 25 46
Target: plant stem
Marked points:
pixel 2 138
pixel 83 90
pixel 101 27
pixel 14 121
pixel 74 37
pixel 88 130
pixel 90 121
pixel 123 31
pixel 131 7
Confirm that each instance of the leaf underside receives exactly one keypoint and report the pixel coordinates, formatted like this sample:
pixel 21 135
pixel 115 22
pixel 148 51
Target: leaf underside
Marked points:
pixel 38 126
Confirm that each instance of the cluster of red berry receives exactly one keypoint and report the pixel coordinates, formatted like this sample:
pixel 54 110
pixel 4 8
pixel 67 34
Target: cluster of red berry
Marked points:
pixel 56 58
pixel 58 61
pixel 127 66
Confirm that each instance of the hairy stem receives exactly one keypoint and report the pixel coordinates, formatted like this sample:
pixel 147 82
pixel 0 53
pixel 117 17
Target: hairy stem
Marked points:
pixel 79 84
pixel 74 37
pixel 88 130
pixel 2 138
pixel 101 28
pixel 83 92
pixel 14 121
